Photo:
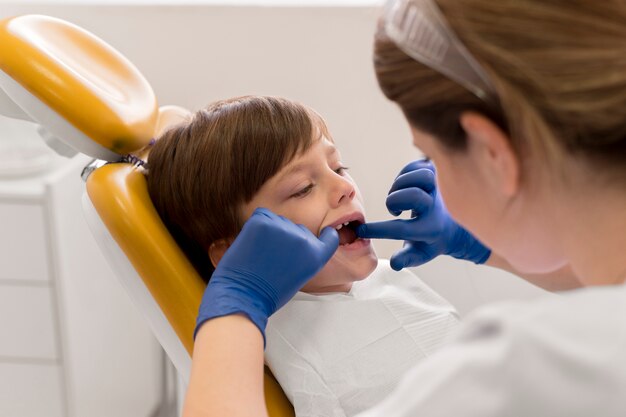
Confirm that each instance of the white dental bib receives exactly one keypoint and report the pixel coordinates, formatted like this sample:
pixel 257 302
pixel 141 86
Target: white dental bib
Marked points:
pixel 341 353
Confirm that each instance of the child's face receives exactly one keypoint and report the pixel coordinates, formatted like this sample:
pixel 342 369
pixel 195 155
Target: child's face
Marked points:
pixel 314 190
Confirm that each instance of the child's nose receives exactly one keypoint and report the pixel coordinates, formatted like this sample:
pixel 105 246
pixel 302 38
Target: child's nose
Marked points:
pixel 344 191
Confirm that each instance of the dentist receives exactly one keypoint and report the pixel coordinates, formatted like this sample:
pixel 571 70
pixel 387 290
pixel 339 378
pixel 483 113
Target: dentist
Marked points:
pixel 521 105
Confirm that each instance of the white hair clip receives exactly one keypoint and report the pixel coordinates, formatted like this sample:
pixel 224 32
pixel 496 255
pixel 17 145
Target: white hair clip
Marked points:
pixel 420 30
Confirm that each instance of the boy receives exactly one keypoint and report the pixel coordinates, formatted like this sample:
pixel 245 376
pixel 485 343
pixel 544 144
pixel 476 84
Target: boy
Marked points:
pixel 344 341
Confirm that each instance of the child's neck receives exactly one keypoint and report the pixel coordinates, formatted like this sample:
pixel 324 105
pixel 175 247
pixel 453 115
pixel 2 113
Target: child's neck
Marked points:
pixel 330 289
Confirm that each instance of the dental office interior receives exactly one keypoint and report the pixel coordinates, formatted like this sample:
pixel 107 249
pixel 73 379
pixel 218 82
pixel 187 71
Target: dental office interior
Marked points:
pixel 73 342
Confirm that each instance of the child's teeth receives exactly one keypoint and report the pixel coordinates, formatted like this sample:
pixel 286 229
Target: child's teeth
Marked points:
pixel 346 223
pixel 339 227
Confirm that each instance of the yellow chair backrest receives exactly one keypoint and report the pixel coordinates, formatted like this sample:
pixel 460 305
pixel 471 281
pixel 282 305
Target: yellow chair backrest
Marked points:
pixel 119 194
pixel 78 87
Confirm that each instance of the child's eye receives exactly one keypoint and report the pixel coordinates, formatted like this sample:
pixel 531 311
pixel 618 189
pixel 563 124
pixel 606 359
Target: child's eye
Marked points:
pixel 303 191
pixel 341 170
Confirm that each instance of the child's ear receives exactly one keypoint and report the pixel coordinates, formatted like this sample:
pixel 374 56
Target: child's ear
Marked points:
pixel 217 250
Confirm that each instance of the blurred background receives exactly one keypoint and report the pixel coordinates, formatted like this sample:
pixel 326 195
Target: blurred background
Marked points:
pixel 72 343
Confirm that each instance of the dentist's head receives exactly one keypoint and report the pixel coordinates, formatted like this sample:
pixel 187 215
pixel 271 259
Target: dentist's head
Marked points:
pixel 521 105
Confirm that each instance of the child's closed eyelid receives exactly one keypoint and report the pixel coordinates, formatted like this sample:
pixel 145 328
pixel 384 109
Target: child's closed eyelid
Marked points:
pixel 341 169
pixel 303 191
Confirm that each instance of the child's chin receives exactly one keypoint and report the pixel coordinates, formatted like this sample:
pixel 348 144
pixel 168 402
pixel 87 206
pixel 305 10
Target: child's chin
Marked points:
pixel 364 267
pixel 336 274
pixel 351 269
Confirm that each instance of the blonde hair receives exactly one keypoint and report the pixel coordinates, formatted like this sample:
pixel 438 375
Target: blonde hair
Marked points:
pixel 559 68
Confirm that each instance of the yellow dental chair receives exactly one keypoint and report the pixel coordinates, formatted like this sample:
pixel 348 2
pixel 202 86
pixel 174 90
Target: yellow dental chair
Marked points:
pixel 86 97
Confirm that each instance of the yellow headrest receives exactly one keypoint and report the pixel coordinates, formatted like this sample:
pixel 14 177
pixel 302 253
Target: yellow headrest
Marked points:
pixel 170 116
pixel 81 78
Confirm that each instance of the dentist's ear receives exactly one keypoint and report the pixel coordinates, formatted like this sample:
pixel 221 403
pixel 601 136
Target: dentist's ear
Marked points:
pixel 492 149
pixel 217 250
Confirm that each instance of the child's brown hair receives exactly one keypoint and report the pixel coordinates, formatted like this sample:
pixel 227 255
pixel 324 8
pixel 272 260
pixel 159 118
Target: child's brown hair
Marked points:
pixel 200 173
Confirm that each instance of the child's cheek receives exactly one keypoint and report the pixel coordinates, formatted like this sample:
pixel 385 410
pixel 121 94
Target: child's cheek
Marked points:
pixel 296 214
pixel 314 225
pixel 310 219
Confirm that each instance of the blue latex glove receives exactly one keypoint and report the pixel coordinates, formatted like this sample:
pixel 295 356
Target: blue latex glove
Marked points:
pixel 431 231
pixel 269 261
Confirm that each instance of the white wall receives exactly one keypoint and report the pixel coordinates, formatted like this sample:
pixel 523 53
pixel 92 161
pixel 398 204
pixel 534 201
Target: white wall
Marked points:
pixel 195 54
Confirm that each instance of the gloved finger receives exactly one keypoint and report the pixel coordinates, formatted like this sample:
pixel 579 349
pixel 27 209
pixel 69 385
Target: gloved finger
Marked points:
pixel 421 178
pixel 262 215
pixel 389 229
pixel 412 254
pixel 330 242
pixel 266 221
pixel 420 163
pixel 302 227
pixel 414 199
pixel 262 211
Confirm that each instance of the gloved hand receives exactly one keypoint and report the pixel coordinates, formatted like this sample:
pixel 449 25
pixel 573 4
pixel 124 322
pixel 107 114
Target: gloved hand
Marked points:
pixel 431 231
pixel 269 261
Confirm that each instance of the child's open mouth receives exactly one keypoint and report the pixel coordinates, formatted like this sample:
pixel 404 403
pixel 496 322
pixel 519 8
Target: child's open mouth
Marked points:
pixel 347 232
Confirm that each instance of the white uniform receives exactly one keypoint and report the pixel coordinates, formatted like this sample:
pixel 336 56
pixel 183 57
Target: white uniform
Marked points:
pixel 338 354
pixel 562 356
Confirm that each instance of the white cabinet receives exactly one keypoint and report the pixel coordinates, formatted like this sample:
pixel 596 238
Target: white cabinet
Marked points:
pixel 27 323
pixel 31 389
pixel 22 247
pixel 71 342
